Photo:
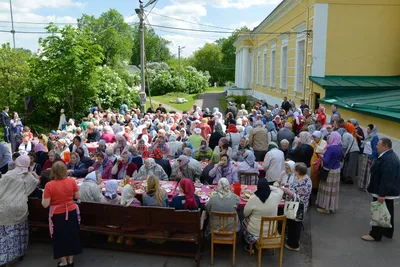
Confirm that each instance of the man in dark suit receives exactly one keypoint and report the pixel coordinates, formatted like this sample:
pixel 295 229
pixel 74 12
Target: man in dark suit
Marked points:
pixel 384 186
pixel 5 121
pixel 286 105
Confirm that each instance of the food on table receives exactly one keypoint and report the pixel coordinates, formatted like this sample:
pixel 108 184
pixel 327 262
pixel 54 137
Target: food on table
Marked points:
pixel 139 191
pixel 198 184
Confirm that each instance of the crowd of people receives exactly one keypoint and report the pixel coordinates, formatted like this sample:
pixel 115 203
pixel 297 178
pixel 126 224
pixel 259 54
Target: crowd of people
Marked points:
pixel 290 144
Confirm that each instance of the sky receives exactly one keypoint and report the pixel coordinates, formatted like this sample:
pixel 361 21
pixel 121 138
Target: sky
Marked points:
pixel 187 14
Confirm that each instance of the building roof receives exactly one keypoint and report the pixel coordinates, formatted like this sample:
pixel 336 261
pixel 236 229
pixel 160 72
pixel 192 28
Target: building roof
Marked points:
pixel 357 82
pixel 382 105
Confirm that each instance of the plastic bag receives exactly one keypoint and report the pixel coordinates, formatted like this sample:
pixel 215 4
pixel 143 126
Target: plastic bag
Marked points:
pixel 380 215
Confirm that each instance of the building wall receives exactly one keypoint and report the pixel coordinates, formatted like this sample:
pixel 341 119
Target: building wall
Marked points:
pixel 389 128
pixel 363 37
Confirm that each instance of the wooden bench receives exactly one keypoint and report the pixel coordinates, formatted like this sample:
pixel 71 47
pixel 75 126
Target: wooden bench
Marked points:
pixel 143 224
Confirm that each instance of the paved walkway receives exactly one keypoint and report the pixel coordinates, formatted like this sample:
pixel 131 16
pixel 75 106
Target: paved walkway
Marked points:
pixel 210 100
pixel 167 107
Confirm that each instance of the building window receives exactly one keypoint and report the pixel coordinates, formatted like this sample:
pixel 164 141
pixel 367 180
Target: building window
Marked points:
pixel 258 69
pixel 273 69
pixel 264 71
pixel 284 67
pixel 299 82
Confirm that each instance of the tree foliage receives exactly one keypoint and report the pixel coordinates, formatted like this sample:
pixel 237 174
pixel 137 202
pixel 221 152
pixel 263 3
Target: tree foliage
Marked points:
pixel 64 72
pixel 14 76
pixel 209 58
pixel 156 47
pixel 112 33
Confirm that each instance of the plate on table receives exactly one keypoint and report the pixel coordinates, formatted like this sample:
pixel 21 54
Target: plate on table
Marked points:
pixel 205 198
pixel 211 194
pixel 168 190
pixel 167 186
pixel 139 191
pixel 198 184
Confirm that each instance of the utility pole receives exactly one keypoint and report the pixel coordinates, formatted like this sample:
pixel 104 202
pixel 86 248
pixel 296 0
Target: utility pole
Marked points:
pixel 12 24
pixel 179 60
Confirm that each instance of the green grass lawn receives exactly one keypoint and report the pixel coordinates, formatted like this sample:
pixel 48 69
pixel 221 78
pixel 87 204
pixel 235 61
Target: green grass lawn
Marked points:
pixel 191 98
pixel 223 103
pixel 173 96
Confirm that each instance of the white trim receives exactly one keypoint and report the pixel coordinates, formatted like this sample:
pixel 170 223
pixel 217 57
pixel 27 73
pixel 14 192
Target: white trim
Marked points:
pixel 299 70
pixel 284 76
pixel 284 39
pixel 272 43
pixel 272 71
pixel 319 40
pixel 258 68
pixel 264 68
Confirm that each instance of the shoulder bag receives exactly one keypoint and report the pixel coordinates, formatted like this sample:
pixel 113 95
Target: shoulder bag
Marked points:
pixel 294 210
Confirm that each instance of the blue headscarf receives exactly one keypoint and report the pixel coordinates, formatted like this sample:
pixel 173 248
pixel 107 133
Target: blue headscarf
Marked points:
pixel 271 127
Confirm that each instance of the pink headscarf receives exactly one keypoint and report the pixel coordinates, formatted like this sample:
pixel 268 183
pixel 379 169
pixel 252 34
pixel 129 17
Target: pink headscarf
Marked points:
pixel 21 165
pixel 335 139
pixel 39 147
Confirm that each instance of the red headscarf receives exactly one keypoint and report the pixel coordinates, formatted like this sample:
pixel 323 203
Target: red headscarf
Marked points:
pixel 232 129
pixel 188 189
pixel 158 154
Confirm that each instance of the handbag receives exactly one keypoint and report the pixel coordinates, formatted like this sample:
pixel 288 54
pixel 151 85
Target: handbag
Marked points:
pixel 380 215
pixel 323 173
pixel 294 210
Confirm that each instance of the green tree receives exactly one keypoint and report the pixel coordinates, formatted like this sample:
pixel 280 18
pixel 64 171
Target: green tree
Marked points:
pixel 156 47
pixel 228 49
pixel 14 76
pixel 209 58
pixel 112 33
pixel 64 72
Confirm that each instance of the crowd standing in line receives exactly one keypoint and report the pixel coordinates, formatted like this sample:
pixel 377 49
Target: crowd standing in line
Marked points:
pixel 289 145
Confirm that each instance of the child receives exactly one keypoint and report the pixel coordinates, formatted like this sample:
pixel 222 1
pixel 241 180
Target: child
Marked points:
pixel 27 131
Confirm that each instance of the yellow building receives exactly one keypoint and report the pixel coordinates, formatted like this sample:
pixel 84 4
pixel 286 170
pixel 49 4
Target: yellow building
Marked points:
pixel 329 52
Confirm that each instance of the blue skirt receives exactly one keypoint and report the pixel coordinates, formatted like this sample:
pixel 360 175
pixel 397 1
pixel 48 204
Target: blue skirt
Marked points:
pixel 13 241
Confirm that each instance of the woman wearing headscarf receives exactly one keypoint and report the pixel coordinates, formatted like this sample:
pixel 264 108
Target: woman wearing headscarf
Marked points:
pixel 222 149
pixel 41 154
pixel 278 122
pixel 164 163
pixel 111 196
pixel 311 128
pixel 120 146
pixel 233 137
pixel 272 134
pixel 128 198
pixel 243 146
pixel 223 201
pixel 101 147
pixel 75 167
pixel 135 157
pixel 216 135
pixel 103 165
pixel 303 151
pixel 195 139
pixel 124 168
pixel 264 203
pixel 182 135
pixel 150 167
pixel 274 163
pixel 322 115
pixel 248 164
pixel 90 189
pixel 183 168
pixel 15 187
pixel 53 157
pixel 224 169
pixel 155 196
pixel 173 146
pixel 180 150
pixel 287 176
pixel 142 149
pixel 319 146
pixel 204 152
pixel 369 152
pixel 187 199
pixel 299 189
pixel 328 191
pixel 350 154
pixel 217 113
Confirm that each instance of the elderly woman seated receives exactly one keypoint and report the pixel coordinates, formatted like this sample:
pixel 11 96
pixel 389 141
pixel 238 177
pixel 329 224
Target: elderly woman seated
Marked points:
pixel 108 135
pixel 184 168
pixel 53 157
pixel 204 152
pixel 224 168
pixel 124 168
pixel 103 165
pixel 101 147
pixel 150 167
pixel 120 146
pixel 90 189
pixel 75 167
pixel 164 163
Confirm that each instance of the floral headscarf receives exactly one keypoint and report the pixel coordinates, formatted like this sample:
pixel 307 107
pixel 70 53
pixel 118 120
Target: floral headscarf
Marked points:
pixel 223 189
pixel 305 138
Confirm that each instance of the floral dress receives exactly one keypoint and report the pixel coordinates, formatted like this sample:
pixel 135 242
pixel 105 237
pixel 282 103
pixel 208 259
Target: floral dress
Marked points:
pixel 302 190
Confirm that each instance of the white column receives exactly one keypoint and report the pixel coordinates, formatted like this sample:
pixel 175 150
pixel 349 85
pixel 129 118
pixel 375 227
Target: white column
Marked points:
pixel 240 66
pixel 245 68
pixel 236 68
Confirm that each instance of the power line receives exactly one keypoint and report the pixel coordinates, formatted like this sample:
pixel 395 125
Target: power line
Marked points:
pixel 27 32
pixel 46 23
pixel 192 22
pixel 151 9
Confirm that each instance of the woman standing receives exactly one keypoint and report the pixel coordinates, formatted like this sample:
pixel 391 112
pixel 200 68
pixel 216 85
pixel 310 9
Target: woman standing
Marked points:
pixel 15 187
pixel 300 189
pixel 369 152
pixel 155 196
pixel 216 135
pixel 328 191
pixel 303 151
pixel 263 203
pixel 15 131
pixel 222 149
pixel 59 194
pixel 233 137
pixel 272 134
pixel 322 116
pixel 319 145
pixel 223 201
pixel 187 199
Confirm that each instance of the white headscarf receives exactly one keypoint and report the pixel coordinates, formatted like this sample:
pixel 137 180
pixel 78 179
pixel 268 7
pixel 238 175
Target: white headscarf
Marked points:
pixel 111 188
pixel 127 195
pixel 224 189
